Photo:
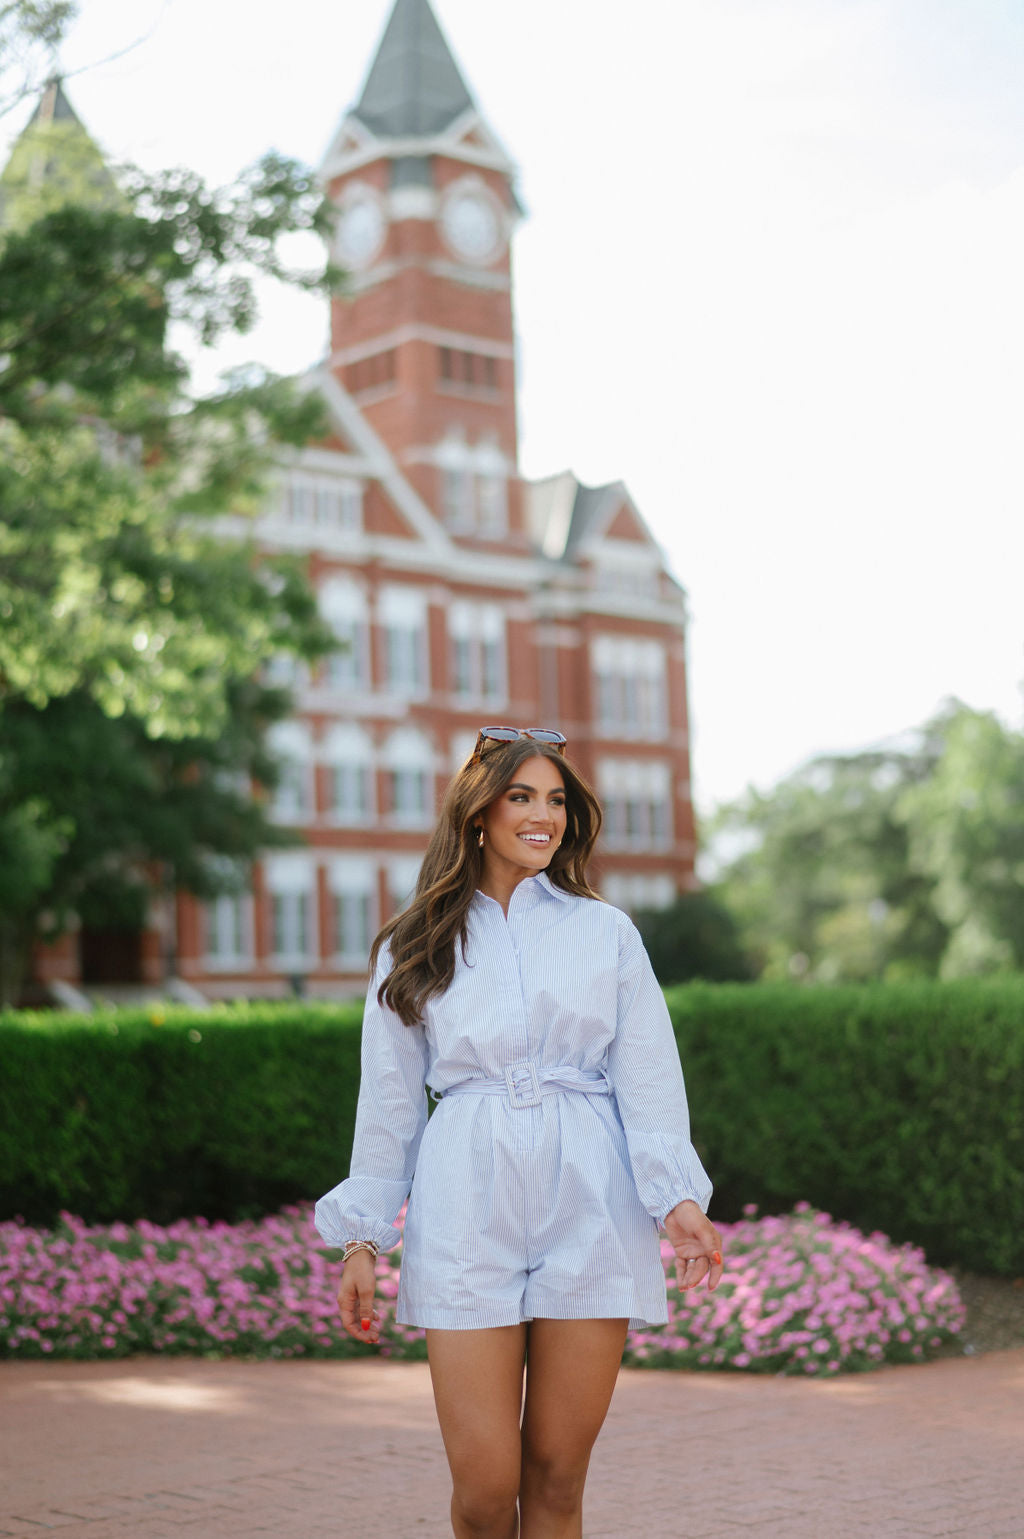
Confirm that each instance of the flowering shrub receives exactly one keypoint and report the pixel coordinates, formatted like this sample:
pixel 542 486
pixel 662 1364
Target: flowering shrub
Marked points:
pixel 800 1295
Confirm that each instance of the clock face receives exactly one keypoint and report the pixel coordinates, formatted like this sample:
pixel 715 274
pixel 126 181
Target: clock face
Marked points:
pixel 471 225
pixel 360 231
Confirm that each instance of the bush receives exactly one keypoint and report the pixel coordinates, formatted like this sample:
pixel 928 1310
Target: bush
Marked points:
pixel 693 938
pixel 900 1107
pixel 167 1112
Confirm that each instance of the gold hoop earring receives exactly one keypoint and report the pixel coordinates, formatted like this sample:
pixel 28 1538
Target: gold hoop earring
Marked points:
pixel 479 838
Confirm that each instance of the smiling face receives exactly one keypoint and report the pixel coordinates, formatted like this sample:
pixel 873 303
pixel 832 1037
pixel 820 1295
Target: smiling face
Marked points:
pixel 524 825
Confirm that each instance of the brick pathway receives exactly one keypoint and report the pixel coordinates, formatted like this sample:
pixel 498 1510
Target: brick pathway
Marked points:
pixel 179 1449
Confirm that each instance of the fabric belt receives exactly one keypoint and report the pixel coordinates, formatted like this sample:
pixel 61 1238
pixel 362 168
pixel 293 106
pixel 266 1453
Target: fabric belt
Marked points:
pixel 524 1083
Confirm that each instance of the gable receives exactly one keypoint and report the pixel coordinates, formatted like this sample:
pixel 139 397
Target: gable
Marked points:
pixel 335 442
pixel 380 516
pixel 391 500
pixel 627 525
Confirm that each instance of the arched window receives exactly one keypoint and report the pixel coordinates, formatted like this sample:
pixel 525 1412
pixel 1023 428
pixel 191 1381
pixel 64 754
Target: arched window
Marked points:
pixel 291 890
pixel 352 881
pixel 343 605
pixel 347 753
pixel 228 921
pixel 402 614
pixel 291 745
pixel 409 768
pixel 477 633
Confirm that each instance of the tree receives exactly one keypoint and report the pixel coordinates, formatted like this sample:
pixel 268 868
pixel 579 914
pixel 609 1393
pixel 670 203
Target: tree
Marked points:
pixel 131 624
pixel 695 937
pixel 965 828
pixel 30 33
pixel 887 863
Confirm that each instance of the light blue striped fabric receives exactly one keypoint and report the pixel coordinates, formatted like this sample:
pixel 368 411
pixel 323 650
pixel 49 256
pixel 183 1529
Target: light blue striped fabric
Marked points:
pixel 536 1192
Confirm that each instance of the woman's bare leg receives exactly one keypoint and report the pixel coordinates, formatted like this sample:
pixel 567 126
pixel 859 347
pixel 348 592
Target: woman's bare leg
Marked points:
pixel 478 1390
pixel 571 1369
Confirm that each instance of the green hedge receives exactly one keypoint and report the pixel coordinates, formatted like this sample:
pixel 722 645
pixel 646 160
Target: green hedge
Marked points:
pixel 897 1107
pixel 169 1113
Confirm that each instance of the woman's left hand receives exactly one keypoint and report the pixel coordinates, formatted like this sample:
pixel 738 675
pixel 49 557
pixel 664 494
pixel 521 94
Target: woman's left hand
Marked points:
pixel 697 1244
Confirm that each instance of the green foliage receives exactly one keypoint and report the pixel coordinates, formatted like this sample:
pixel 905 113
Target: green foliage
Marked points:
pixel 966 831
pixel 696 937
pixel 899 1108
pixel 887 864
pixel 120 813
pixel 30 33
pixel 896 1107
pixel 136 613
pixel 167 1112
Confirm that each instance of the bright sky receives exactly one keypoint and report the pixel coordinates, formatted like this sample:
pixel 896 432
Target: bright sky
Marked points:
pixel 771 277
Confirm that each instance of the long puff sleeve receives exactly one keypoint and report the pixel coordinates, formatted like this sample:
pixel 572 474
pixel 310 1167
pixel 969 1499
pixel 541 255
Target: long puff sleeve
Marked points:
pixel 390 1117
pixel 646 1077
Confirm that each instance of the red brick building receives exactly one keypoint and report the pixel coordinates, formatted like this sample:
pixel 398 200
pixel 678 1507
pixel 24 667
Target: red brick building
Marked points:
pixel 461 594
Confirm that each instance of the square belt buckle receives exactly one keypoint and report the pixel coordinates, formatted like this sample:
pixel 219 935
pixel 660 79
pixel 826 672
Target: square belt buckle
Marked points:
pixel 523 1084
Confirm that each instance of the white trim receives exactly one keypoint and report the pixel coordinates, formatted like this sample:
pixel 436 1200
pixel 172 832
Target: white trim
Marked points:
pixel 353 193
pixel 471 277
pixel 451 144
pixel 330 461
pixel 644 558
pixel 570 600
pixel 349 124
pixel 594 540
pixel 359 431
pixel 418 333
pixel 473 186
pixel 412 203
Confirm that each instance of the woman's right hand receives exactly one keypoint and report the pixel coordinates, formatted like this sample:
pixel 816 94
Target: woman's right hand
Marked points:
pixel 355 1298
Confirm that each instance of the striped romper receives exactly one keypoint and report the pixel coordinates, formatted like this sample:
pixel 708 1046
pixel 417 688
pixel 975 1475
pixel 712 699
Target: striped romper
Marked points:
pixel 561 1136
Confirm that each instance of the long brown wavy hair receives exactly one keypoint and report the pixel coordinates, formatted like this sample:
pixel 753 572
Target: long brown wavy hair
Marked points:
pixel 424 935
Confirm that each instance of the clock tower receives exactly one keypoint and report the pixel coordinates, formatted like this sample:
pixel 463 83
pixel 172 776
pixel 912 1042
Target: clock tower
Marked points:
pixel 422 336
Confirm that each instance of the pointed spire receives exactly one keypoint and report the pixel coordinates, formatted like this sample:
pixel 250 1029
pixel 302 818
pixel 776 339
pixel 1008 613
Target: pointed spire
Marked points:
pixel 54 161
pixel 53 106
pixel 414 86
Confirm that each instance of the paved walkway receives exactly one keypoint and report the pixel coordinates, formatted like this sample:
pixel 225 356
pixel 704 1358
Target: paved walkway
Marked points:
pixel 164 1448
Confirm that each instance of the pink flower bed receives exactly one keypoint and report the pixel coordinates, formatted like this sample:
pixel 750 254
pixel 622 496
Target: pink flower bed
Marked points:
pixel 800 1295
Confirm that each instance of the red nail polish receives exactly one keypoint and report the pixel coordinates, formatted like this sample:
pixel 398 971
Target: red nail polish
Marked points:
pixel 716 1256
pixel 365 1324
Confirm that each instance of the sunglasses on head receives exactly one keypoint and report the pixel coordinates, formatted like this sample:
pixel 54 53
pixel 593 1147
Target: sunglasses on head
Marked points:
pixel 512 734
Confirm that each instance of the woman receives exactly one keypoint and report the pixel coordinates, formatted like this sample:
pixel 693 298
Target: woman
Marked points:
pixel 529 1008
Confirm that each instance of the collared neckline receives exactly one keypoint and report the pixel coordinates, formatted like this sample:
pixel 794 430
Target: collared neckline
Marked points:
pixel 541 880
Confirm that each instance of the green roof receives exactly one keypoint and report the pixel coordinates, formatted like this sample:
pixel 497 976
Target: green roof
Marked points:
pixel 414 88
